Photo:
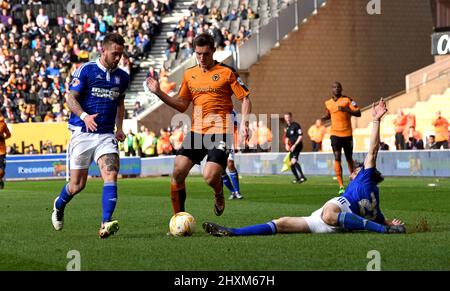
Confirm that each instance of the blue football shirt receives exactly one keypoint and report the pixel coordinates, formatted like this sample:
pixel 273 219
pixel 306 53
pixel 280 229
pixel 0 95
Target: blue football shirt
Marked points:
pixel 363 195
pixel 100 92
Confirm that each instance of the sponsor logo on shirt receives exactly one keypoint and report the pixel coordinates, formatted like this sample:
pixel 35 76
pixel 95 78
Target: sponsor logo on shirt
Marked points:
pixel 111 94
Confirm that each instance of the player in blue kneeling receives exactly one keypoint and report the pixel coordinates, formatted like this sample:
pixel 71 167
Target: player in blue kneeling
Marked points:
pixel 356 209
pixel 96 102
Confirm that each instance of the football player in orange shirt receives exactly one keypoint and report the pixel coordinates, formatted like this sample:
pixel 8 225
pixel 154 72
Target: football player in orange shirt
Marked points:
pixel 340 109
pixel 209 86
pixel 4 134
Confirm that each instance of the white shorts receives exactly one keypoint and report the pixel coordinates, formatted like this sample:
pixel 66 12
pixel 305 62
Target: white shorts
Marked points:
pixel 87 147
pixel 315 221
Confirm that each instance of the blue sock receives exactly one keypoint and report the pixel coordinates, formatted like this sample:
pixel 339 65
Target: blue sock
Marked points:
pixel 351 221
pixel 235 180
pixel 227 182
pixel 257 229
pixel 64 198
pixel 109 200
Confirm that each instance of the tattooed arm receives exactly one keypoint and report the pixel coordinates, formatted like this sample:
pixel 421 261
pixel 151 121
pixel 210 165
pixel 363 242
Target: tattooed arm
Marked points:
pixel 75 107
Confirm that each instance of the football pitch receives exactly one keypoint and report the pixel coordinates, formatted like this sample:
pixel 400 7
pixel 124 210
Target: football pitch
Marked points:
pixel 28 241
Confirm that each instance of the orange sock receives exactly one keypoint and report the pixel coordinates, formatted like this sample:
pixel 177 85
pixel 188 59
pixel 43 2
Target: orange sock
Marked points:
pixel 338 171
pixel 178 195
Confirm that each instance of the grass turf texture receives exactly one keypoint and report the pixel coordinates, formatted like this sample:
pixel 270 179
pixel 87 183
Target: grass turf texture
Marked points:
pixel 28 241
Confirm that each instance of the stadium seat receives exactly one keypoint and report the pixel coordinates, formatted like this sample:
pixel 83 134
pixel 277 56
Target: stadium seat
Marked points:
pixel 254 23
pixel 216 3
pixel 253 4
pixel 234 4
pixel 234 27
pixel 245 23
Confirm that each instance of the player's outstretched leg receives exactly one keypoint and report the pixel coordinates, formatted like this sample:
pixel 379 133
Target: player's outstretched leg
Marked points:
pixel 350 221
pixel 58 207
pixel 257 229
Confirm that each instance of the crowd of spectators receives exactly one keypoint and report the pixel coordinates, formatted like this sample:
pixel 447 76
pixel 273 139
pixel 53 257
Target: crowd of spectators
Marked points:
pixel 43 42
pixel 209 19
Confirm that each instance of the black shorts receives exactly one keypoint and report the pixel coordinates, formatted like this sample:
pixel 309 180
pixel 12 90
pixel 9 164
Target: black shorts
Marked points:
pixel 296 152
pixel 2 162
pixel 338 143
pixel 216 146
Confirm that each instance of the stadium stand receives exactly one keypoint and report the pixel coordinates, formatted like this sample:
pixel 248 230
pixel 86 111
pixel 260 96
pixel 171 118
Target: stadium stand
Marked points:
pixel 43 43
pixel 423 111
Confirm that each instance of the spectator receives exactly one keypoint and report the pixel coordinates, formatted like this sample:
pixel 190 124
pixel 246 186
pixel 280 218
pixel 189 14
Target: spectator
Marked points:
pixel 384 146
pixel 137 109
pixel 410 126
pixel 431 143
pixel 42 20
pixel 414 141
pixel 31 150
pixel 441 130
pixel 52 71
pixel 232 16
pixel 264 137
pixel 48 148
pixel 164 147
pixel 316 133
pixel 201 8
pixel 251 14
pixel 400 123
pixel 215 16
pixel 152 73
pixel 130 144
pixel 243 12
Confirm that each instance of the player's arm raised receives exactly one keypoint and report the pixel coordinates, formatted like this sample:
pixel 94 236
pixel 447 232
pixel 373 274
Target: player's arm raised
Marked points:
pixel 120 135
pixel 177 103
pixel 377 112
pixel 75 107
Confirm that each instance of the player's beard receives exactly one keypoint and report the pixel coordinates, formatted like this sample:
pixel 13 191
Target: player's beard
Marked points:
pixel 113 65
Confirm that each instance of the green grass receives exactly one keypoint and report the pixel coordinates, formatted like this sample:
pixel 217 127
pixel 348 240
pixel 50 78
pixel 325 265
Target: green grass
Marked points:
pixel 28 241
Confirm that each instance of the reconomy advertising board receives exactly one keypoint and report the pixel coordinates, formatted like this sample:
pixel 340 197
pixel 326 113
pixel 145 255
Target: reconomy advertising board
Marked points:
pixel 54 166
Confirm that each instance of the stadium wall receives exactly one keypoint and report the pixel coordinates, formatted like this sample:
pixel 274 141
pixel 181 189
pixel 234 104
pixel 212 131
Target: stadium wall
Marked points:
pixel 369 54
pixel 37 133
pixel 423 163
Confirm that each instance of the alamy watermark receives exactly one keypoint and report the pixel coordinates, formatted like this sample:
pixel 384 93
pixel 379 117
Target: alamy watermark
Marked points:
pixel 373 7
pixel 73 7
pixel 375 260
pixel 257 132
pixel 74 263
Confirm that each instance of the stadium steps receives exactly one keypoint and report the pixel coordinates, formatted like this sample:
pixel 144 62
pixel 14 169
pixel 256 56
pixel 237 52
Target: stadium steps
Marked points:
pixel 156 57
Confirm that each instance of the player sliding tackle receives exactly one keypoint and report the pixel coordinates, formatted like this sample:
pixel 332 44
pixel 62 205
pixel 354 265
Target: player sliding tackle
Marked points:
pixel 356 209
